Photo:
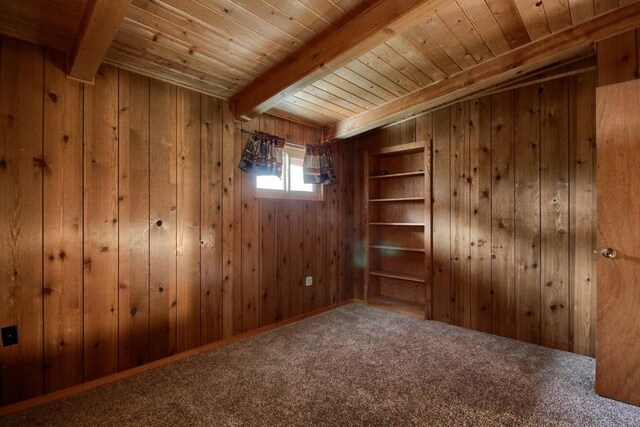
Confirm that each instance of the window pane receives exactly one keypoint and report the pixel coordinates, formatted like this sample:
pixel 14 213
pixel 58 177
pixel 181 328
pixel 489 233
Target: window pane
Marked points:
pixel 297 177
pixel 269 183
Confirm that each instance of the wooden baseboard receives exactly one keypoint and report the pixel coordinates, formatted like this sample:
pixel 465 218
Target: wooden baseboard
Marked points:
pixel 70 391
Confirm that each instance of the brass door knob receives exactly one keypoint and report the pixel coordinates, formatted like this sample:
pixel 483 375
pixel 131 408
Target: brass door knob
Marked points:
pixel 608 253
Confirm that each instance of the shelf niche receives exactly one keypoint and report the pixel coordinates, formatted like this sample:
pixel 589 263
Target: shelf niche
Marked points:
pixel 398 227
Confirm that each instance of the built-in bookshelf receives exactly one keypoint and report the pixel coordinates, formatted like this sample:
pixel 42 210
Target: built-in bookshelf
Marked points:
pixel 398 228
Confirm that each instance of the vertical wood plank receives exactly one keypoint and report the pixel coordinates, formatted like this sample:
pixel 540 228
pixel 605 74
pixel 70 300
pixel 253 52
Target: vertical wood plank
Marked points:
pixel 62 226
pixel 348 290
pixel 282 250
pixel 250 246
pixel 21 171
pixel 162 211
pixel 268 262
pixel 369 281
pixel 282 242
pixel 188 219
pixel 441 216
pixel 342 226
pixel 638 53
pixel 320 276
pixel 618 59
pixel 332 230
pixel 480 217
pixel 409 131
pixel 583 213
pixel 322 236
pixel 231 235
pixel 554 197
pixel 527 214
pixel 296 241
pixel 391 135
pixel 101 225
pixel 238 267
pixel 211 218
pixel 502 205
pixel 296 258
pixel 312 247
pixel 424 132
pixel 346 260
pixel 359 248
pixel 268 256
pixel 459 170
pixel 231 191
pixel 309 220
pixel 133 214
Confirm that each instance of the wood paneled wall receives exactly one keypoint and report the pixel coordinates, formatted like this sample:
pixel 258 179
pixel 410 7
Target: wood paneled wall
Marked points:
pixel 619 58
pixel 128 232
pixel 513 211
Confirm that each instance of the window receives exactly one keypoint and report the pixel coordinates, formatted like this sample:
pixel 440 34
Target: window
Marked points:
pixel 291 185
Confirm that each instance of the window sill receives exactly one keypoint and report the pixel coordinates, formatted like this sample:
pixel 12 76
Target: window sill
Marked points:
pixel 305 197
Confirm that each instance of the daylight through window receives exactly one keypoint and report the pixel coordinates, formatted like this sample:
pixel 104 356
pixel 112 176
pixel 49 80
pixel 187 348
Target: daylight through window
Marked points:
pixel 291 184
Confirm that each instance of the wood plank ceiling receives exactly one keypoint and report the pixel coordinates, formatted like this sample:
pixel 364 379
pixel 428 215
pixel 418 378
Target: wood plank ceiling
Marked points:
pixel 52 23
pixel 459 36
pixel 220 46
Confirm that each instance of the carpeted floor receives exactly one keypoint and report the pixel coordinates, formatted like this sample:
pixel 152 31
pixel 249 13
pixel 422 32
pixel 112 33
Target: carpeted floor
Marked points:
pixel 356 365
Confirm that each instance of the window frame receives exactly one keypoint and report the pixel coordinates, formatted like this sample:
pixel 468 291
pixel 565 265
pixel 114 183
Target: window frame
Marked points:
pixel 263 193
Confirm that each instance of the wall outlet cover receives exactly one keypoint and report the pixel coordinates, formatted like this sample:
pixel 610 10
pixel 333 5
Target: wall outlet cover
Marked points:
pixel 9 336
pixel 308 281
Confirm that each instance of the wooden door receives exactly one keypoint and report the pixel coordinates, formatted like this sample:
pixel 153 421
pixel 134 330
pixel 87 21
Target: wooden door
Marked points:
pixel 618 298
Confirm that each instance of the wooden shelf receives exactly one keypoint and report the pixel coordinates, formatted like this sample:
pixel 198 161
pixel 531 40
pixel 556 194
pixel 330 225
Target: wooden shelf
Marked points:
pixel 397 175
pixel 395 251
pixel 413 308
pixel 398 224
pixel 395 150
pixel 396 248
pixel 399 199
pixel 399 276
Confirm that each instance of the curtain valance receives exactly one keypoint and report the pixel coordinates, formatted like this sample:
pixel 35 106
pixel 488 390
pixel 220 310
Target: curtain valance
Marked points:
pixel 263 155
pixel 318 165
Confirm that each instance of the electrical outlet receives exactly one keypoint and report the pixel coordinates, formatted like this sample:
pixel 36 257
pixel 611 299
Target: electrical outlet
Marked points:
pixel 308 281
pixel 9 336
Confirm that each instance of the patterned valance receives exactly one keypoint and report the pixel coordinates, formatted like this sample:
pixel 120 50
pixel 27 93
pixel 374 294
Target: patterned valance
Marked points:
pixel 263 155
pixel 318 165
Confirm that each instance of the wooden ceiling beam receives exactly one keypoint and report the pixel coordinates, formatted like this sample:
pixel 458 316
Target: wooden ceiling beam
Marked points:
pixel 379 22
pixel 98 27
pixel 526 58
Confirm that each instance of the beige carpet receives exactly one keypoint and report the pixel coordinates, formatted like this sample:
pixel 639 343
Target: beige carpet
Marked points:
pixel 356 365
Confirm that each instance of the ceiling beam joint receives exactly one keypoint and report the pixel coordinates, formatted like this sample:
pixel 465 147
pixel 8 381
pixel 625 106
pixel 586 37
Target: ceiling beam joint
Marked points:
pixel 381 21
pixel 99 25
pixel 548 50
